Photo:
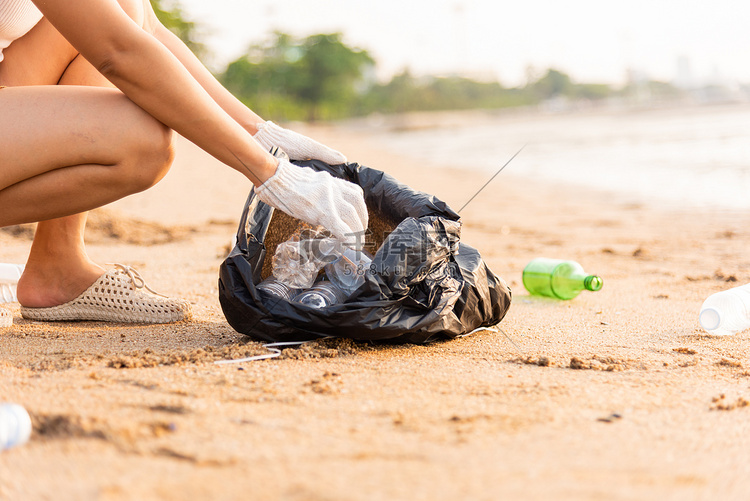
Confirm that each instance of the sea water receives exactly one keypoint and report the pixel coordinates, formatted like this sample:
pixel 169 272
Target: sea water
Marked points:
pixel 696 156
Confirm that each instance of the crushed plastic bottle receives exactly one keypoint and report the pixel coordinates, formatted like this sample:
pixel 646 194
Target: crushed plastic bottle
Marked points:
pixel 321 295
pixel 9 275
pixel 298 261
pixel 297 265
pixel 348 271
pixel 15 426
pixel 726 312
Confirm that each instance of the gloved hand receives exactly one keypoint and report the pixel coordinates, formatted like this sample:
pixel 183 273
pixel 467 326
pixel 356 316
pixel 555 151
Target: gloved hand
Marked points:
pixel 319 199
pixel 297 146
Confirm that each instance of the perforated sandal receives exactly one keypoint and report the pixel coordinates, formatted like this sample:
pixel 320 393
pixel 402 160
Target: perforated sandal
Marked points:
pixel 6 318
pixel 120 295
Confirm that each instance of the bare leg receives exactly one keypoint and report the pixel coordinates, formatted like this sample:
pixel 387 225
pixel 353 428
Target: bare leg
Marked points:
pixel 58 262
pixel 68 149
pixel 92 161
pixel 58 268
pixel 108 159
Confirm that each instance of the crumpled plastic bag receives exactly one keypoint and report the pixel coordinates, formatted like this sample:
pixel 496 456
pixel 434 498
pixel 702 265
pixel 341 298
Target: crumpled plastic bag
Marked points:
pixel 423 283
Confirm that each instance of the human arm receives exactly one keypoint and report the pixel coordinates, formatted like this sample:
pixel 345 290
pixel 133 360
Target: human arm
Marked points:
pixel 268 134
pixel 183 95
pixel 243 115
pixel 152 77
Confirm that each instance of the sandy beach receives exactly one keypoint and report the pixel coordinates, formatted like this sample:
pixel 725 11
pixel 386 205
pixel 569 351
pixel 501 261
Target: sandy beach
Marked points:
pixel 616 394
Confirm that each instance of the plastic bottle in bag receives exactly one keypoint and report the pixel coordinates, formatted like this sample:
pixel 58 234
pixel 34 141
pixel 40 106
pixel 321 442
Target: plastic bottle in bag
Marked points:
pixel 727 312
pixel 321 295
pixel 298 260
pixel 558 278
pixel 15 426
pixel 274 287
pixel 9 275
pixel 348 271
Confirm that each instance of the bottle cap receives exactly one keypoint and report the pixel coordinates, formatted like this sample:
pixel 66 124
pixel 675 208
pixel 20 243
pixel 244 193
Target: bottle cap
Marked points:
pixel 593 282
pixel 15 425
pixel 313 299
pixel 709 319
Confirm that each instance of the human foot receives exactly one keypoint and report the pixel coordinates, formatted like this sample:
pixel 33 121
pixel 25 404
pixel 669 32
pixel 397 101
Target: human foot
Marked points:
pixel 119 295
pixel 45 284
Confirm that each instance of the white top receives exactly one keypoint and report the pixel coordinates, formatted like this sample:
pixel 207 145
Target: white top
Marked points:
pixel 17 17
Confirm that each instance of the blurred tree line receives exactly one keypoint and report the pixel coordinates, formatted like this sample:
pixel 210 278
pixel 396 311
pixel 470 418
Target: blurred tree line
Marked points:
pixel 318 77
pixel 321 78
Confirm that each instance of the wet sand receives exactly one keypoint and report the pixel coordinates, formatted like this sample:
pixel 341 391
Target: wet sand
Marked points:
pixel 616 394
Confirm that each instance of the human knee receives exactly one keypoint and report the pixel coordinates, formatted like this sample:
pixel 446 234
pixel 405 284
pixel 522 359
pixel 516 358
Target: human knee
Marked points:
pixel 160 154
pixel 150 158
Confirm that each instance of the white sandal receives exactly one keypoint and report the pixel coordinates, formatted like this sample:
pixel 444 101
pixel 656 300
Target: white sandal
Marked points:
pixel 117 296
pixel 6 318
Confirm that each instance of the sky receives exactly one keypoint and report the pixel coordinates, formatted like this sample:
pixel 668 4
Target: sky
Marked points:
pixel 681 41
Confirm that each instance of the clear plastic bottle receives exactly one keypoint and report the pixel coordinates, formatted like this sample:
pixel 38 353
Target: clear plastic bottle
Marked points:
pixel 15 426
pixel 274 287
pixel 558 278
pixel 9 275
pixel 292 265
pixel 297 261
pixel 348 271
pixel 321 295
pixel 727 312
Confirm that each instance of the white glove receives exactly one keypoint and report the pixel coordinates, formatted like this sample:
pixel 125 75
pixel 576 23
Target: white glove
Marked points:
pixel 297 146
pixel 319 199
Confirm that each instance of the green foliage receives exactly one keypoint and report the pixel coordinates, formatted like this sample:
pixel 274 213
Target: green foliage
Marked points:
pixel 405 93
pixel 554 83
pixel 592 92
pixel 651 91
pixel 171 15
pixel 318 77
pixel 329 74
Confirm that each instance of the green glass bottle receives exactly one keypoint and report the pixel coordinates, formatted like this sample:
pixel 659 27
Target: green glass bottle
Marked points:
pixel 558 278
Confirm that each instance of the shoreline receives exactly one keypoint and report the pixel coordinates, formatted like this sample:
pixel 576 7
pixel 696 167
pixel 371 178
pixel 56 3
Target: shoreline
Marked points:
pixel 619 152
pixel 417 120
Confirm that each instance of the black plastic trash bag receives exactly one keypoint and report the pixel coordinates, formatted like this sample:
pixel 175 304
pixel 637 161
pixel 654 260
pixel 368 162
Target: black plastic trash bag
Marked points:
pixel 423 283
